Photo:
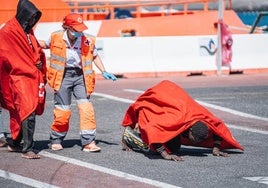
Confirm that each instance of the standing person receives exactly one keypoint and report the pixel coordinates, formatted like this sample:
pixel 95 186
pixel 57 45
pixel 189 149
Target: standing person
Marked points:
pixel 165 117
pixel 70 72
pixel 22 77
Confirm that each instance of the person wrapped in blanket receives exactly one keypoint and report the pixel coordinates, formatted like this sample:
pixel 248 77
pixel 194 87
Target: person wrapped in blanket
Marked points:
pixel 22 77
pixel 165 117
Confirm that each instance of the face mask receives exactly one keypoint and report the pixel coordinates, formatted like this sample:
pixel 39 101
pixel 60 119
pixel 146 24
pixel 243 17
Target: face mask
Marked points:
pixel 75 34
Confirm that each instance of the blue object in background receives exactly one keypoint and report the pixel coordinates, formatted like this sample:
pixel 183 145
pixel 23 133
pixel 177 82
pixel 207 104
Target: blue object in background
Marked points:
pixel 248 18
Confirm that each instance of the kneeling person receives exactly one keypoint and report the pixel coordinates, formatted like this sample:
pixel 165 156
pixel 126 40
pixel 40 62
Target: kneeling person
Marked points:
pixel 165 117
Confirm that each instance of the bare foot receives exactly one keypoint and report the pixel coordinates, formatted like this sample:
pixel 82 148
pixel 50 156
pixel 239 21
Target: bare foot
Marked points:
pixel 3 142
pixel 30 155
pixel 13 148
pixel 125 146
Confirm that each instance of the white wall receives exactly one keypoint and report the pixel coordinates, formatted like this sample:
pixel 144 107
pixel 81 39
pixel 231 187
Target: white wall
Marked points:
pixel 180 53
pixel 167 54
pixel 250 51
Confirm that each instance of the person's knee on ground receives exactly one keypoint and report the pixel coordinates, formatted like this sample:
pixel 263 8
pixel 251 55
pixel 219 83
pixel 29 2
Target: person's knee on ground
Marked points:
pixel 131 140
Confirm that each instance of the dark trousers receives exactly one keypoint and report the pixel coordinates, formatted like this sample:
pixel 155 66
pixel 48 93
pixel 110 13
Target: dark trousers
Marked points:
pixel 26 134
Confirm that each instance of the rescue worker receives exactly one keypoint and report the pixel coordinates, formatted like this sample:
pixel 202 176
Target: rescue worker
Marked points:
pixel 165 117
pixel 70 72
pixel 22 77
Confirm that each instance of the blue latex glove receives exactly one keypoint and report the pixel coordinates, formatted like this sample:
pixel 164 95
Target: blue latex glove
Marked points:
pixel 108 76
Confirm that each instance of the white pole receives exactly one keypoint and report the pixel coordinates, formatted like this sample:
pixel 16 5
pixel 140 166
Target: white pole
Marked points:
pixel 220 17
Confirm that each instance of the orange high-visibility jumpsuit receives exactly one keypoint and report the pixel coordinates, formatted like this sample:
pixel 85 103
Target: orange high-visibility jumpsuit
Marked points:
pixel 76 80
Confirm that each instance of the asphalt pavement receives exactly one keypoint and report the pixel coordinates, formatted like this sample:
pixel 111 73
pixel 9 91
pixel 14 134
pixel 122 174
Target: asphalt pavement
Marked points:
pixel 239 100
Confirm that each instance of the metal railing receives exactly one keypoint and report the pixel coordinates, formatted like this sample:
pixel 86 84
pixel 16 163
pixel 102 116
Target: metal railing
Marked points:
pixel 171 7
pixel 102 9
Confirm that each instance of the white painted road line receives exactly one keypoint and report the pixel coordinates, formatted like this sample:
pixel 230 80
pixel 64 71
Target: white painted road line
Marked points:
pixel 259 179
pixel 113 97
pixel 248 129
pixel 107 170
pixel 24 180
pixel 235 112
pixel 134 90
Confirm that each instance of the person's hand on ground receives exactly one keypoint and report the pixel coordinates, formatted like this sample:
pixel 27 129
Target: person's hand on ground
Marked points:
pixel 172 157
pixel 217 152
